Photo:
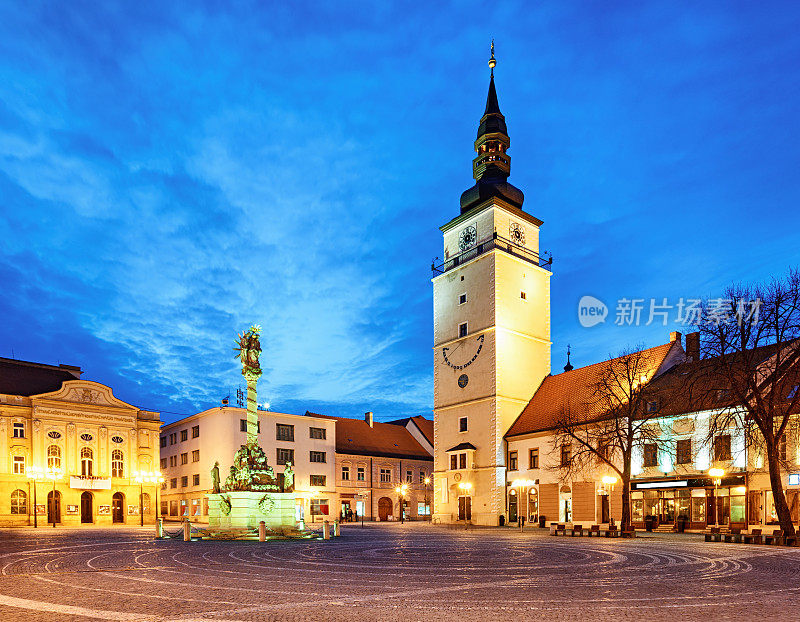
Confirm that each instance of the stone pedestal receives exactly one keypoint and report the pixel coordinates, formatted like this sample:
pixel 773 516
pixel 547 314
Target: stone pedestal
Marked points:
pixel 247 510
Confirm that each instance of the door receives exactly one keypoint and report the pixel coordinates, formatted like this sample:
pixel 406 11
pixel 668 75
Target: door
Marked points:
pixel 512 509
pixel 604 513
pixel 87 515
pixel 117 507
pixel 384 508
pixel 465 508
pixel 53 507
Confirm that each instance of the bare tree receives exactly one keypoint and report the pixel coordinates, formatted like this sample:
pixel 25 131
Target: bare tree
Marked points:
pixel 604 430
pixel 750 370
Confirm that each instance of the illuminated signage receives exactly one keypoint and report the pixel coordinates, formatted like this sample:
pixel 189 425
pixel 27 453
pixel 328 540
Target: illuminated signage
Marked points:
pixel 794 479
pixel 679 484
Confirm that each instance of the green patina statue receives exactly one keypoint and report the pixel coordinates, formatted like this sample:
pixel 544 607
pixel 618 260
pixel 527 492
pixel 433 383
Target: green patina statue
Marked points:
pixel 215 478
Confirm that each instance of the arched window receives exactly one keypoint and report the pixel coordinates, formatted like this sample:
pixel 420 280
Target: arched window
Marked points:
pixel 53 457
pixel 19 502
pixel 86 462
pixel 116 463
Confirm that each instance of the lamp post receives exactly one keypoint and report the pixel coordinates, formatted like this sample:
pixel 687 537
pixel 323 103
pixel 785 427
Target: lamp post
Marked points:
pixel 54 474
pixel 522 486
pixel 34 473
pixel 158 479
pixel 139 477
pixel 427 507
pixel 402 491
pixel 717 475
pixel 610 480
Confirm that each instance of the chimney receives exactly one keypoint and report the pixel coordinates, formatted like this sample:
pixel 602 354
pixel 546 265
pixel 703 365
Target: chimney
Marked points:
pixel 368 418
pixel 675 336
pixel 693 345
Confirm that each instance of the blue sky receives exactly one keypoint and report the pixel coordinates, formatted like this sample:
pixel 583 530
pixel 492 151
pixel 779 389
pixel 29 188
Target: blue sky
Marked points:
pixel 172 172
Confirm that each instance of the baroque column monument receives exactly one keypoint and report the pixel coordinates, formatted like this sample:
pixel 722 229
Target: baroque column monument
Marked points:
pixel 251 493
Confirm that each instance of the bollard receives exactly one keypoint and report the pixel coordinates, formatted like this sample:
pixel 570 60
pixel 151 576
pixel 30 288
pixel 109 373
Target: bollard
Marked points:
pixel 336 528
pixel 262 531
pixel 160 528
pixel 326 530
pixel 187 530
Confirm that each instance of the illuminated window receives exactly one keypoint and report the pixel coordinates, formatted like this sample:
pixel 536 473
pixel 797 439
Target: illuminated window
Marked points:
pixel 19 502
pixel 319 506
pixel 19 465
pixel 117 464
pixel 53 457
pixel 195 507
pixel 87 461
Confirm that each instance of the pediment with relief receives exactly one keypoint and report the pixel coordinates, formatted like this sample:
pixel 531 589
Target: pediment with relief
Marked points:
pixel 85 392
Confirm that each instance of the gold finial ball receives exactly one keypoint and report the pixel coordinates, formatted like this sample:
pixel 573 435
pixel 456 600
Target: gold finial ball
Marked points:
pixel 492 63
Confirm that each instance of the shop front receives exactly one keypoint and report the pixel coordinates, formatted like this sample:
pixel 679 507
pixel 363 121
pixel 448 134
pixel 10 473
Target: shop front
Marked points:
pixel 690 503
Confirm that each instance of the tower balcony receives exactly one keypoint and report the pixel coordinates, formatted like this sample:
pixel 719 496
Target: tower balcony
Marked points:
pixel 495 242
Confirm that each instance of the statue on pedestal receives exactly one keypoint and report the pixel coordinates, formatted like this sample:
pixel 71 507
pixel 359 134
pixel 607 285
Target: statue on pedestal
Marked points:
pixel 288 478
pixel 215 478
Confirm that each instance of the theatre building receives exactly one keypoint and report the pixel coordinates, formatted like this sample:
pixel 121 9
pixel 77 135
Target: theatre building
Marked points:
pixel 69 450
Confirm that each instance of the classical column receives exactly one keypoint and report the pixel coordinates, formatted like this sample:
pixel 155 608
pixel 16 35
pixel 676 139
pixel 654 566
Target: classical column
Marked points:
pixel 252 376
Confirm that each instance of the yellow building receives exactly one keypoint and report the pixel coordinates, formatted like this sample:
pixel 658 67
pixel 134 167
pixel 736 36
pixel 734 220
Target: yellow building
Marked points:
pixel 491 299
pixel 54 423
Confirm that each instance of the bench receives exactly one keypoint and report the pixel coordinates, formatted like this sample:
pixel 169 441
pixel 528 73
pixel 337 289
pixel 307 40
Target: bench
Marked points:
pixel 735 535
pixel 612 532
pixel 776 537
pixel 754 537
pixel 594 531
pixel 558 529
pixel 630 533
pixel 577 530
pixel 713 535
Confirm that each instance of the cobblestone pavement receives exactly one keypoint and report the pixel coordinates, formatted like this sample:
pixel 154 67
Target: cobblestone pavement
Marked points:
pixel 394 572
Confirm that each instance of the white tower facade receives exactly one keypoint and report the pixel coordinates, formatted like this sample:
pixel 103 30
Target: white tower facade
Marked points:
pixel 491 298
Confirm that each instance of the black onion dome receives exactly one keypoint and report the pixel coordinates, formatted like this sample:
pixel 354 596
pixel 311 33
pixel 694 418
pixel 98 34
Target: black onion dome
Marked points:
pixel 485 189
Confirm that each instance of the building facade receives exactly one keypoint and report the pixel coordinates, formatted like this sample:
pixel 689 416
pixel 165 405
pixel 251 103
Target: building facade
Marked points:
pixel 374 459
pixel 91 441
pixel 491 298
pixel 190 448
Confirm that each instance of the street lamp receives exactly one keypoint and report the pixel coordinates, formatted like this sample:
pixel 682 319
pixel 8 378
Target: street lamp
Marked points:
pixel 54 474
pixel 717 475
pixel 523 485
pixel 427 507
pixel 35 473
pixel 402 491
pixel 151 477
pixel 610 480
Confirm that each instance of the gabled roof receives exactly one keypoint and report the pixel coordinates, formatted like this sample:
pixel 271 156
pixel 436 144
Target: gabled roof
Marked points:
pixel 27 378
pixel 389 440
pixel 425 426
pixel 575 390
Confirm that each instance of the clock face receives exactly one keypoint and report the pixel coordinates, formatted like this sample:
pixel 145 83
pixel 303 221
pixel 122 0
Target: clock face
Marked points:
pixel 516 233
pixel 468 238
pixel 463 379
pixel 463 346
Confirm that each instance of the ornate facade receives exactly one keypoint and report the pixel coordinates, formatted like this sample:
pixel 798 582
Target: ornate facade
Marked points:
pixel 53 422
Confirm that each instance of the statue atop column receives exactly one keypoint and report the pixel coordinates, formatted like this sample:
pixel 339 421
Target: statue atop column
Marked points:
pixel 250 470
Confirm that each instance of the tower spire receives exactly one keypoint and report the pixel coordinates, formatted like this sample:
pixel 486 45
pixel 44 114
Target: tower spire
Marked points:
pixel 492 166
pixel 568 366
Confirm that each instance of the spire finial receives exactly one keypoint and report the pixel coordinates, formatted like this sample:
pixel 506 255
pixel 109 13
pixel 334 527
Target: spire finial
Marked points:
pixel 568 366
pixel 492 61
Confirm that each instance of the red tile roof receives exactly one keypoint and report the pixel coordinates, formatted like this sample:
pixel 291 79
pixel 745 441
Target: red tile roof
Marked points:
pixel 574 389
pixel 355 436
pixel 26 378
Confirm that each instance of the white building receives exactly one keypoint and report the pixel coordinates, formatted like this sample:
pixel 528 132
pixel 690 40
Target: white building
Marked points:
pixel 191 446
